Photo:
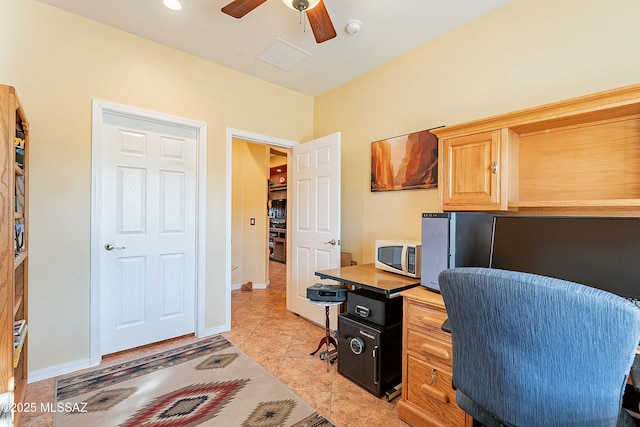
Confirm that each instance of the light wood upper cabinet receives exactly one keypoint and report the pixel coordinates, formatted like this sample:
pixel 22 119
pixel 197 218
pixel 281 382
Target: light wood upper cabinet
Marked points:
pixel 575 157
pixel 477 169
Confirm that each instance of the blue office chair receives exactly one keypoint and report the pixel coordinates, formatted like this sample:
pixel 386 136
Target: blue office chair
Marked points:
pixel 531 350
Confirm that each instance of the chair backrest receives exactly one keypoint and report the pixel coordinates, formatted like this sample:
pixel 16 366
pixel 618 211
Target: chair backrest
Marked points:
pixel 531 350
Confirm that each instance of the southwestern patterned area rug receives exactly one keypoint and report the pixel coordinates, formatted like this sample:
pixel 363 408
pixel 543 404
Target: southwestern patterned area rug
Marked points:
pixel 210 383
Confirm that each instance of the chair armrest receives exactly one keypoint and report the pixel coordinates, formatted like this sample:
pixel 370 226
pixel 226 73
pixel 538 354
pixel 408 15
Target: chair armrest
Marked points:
pixel 446 326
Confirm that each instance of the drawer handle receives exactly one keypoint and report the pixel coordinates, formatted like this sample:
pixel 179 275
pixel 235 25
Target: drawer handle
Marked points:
pixel 436 351
pixel 432 321
pixel 434 393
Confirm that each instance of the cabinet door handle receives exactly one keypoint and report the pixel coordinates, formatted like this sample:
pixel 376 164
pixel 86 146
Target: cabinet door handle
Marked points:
pixel 376 363
pixel 431 321
pixel 434 393
pixel 436 351
pixel 494 168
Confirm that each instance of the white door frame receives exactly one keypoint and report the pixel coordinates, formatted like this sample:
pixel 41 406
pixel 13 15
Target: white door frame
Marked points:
pixel 258 139
pixel 101 107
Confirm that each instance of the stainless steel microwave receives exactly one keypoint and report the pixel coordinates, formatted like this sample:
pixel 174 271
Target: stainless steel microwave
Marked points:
pixel 399 256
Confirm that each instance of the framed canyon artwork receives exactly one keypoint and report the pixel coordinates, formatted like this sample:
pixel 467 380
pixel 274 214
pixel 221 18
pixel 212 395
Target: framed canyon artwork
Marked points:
pixel 405 162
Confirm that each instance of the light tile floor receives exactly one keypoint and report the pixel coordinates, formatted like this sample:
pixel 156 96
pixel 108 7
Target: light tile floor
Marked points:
pixel 281 342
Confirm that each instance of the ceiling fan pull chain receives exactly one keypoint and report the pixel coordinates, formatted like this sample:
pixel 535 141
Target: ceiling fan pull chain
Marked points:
pixel 303 22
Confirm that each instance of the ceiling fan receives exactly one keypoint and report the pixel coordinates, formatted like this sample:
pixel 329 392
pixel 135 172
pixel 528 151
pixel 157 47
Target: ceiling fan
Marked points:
pixel 316 11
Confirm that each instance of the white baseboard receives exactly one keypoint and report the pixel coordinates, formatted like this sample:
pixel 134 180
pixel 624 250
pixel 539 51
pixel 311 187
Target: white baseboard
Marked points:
pixel 214 331
pixel 68 368
pixel 260 285
pixel 235 287
pixel 65 368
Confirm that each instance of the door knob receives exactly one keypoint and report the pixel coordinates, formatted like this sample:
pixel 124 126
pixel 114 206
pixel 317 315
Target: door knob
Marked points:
pixel 331 242
pixel 494 168
pixel 111 246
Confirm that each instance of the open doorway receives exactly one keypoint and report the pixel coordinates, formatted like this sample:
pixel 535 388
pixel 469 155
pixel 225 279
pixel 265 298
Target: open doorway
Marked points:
pixel 313 238
pixel 259 213
pixel 248 161
pixel 277 206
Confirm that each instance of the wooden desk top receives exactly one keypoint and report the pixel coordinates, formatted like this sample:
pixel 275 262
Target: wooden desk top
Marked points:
pixel 369 277
pixel 425 296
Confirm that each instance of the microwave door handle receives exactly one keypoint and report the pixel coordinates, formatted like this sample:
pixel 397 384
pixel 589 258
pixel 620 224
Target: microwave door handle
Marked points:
pixel 405 258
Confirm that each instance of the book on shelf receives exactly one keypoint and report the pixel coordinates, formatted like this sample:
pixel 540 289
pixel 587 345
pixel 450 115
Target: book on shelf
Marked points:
pixel 19 130
pixel 16 356
pixel 18 340
pixel 18 243
pixel 19 144
pixel 19 194
pixel 19 333
pixel 18 328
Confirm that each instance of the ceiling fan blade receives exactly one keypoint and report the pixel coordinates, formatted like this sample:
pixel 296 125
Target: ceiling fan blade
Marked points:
pixel 239 8
pixel 321 24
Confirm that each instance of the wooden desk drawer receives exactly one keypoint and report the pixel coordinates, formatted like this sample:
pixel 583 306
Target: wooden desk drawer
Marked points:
pixel 431 349
pixel 429 319
pixel 429 387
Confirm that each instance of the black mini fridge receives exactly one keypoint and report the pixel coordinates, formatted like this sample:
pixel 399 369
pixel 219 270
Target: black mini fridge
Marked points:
pixel 454 239
pixel 370 355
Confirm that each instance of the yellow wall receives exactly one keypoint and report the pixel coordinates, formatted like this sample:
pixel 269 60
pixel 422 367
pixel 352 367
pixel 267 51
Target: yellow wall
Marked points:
pixel 278 160
pixel 58 63
pixel 527 53
pixel 250 171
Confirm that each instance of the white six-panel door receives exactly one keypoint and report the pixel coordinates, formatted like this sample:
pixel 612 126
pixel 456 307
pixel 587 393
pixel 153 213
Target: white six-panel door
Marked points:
pixel 147 232
pixel 315 225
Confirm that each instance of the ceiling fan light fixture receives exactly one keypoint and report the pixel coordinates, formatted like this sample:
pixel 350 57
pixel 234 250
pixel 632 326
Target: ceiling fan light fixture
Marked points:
pixel 301 5
pixel 172 4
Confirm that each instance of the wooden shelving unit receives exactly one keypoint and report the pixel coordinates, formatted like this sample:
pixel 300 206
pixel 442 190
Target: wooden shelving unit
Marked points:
pixel 14 256
pixel 278 213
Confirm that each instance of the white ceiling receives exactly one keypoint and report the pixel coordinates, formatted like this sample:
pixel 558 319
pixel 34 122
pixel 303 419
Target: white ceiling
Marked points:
pixel 389 28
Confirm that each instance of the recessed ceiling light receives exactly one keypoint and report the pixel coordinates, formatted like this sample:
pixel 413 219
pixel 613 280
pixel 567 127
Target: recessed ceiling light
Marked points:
pixel 172 4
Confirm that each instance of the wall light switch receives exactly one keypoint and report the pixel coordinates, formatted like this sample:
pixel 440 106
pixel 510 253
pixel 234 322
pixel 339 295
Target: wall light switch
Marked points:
pixel 252 221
